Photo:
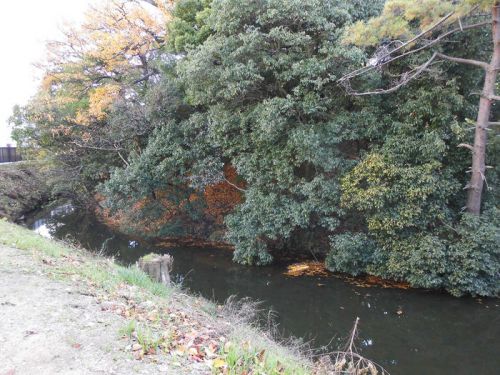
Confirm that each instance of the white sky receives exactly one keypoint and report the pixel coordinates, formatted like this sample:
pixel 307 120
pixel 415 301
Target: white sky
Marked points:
pixel 25 25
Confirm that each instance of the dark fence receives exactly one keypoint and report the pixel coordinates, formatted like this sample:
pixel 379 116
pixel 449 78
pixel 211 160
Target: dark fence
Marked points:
pixel 9 154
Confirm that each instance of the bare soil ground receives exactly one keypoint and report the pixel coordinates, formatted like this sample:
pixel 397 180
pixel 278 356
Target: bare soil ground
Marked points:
pixel 53 327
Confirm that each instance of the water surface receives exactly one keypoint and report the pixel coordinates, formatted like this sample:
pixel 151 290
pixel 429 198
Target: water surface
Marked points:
pixel 435 334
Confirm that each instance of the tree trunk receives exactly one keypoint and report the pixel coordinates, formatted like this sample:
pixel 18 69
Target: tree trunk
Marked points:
pixel 475 186
pixel 158 267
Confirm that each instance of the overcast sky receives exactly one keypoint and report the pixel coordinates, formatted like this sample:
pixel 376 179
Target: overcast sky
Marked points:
pixel 24 27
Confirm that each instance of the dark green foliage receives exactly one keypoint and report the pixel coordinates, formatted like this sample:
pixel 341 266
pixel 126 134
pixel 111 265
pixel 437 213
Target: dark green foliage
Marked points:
pixel 350 253
pixel 362 9
pixel 408 189
pixel 408 180
pixel 474 255
pixel 188 27
pixel 267 78
pixel 382 173
pixel 158 176
pixel 374 184
pixel 464 259
pixel 420 259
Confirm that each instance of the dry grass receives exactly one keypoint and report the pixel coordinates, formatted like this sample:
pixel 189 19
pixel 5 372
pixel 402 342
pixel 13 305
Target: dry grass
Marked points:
pixel 349 361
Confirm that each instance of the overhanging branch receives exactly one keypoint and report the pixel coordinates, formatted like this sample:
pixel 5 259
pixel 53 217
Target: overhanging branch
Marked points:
pixel 479 64
pixel 390 53
pixel 152 2
pixel 234 185
pixel 466 145
pixel 406 77
pixel 404 80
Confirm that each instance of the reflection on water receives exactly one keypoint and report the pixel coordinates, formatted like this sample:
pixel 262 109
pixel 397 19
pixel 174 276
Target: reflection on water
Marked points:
pixel 48 224
pixel 408 332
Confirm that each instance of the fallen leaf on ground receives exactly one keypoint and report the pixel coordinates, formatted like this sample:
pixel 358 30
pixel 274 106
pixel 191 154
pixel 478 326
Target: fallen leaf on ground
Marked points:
pixel 218 363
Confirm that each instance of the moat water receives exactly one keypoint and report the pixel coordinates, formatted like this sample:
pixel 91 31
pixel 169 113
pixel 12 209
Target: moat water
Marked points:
pixel 410 332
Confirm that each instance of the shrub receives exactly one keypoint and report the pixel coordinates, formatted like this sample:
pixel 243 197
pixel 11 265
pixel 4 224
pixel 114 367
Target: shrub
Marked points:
pixel 420 259
pixel 463 259
pixel 351 253
pixel 474 256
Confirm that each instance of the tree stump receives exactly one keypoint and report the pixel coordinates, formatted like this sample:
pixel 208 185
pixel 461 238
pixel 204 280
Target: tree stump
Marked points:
pixel 158 267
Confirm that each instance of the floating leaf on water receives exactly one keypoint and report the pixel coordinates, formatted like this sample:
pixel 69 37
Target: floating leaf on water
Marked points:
pixel 369 281
pixel 307 269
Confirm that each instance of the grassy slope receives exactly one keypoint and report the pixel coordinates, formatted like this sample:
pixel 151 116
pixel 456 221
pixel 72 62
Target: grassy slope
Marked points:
pixel 22 188
pixel 245 348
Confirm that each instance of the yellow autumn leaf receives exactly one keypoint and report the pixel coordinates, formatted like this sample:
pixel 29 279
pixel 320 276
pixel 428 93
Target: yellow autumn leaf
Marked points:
pixel 218 363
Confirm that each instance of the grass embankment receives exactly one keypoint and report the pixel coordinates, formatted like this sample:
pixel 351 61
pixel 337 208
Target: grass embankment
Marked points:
pixel 23 188
pixel 164 320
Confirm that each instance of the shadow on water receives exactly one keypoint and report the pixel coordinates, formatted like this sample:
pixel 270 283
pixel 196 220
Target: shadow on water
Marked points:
pixel 408 332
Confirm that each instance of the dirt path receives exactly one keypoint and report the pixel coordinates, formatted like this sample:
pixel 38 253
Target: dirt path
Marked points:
pixel 52 327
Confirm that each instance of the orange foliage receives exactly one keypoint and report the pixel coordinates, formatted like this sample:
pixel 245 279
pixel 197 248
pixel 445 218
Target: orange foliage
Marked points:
pixel 222 197
pixel 147 225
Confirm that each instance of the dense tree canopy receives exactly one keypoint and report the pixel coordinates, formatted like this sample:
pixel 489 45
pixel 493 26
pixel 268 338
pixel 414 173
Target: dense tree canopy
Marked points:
pixel 227 122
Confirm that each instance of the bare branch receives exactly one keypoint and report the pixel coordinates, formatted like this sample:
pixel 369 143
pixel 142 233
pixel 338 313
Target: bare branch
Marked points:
pixel 123 159
pixel 384 62
pixel 366 69
pixel 460 60
pixel 152 2
pixel 407 77
pixel 233 185
pixel 466 145
pixel 146 77
pixel 420 36
pixel 349 361
pixel 96 147
pixel 439 39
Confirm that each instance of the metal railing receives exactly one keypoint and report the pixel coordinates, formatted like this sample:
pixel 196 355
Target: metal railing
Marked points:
pixel 9 154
